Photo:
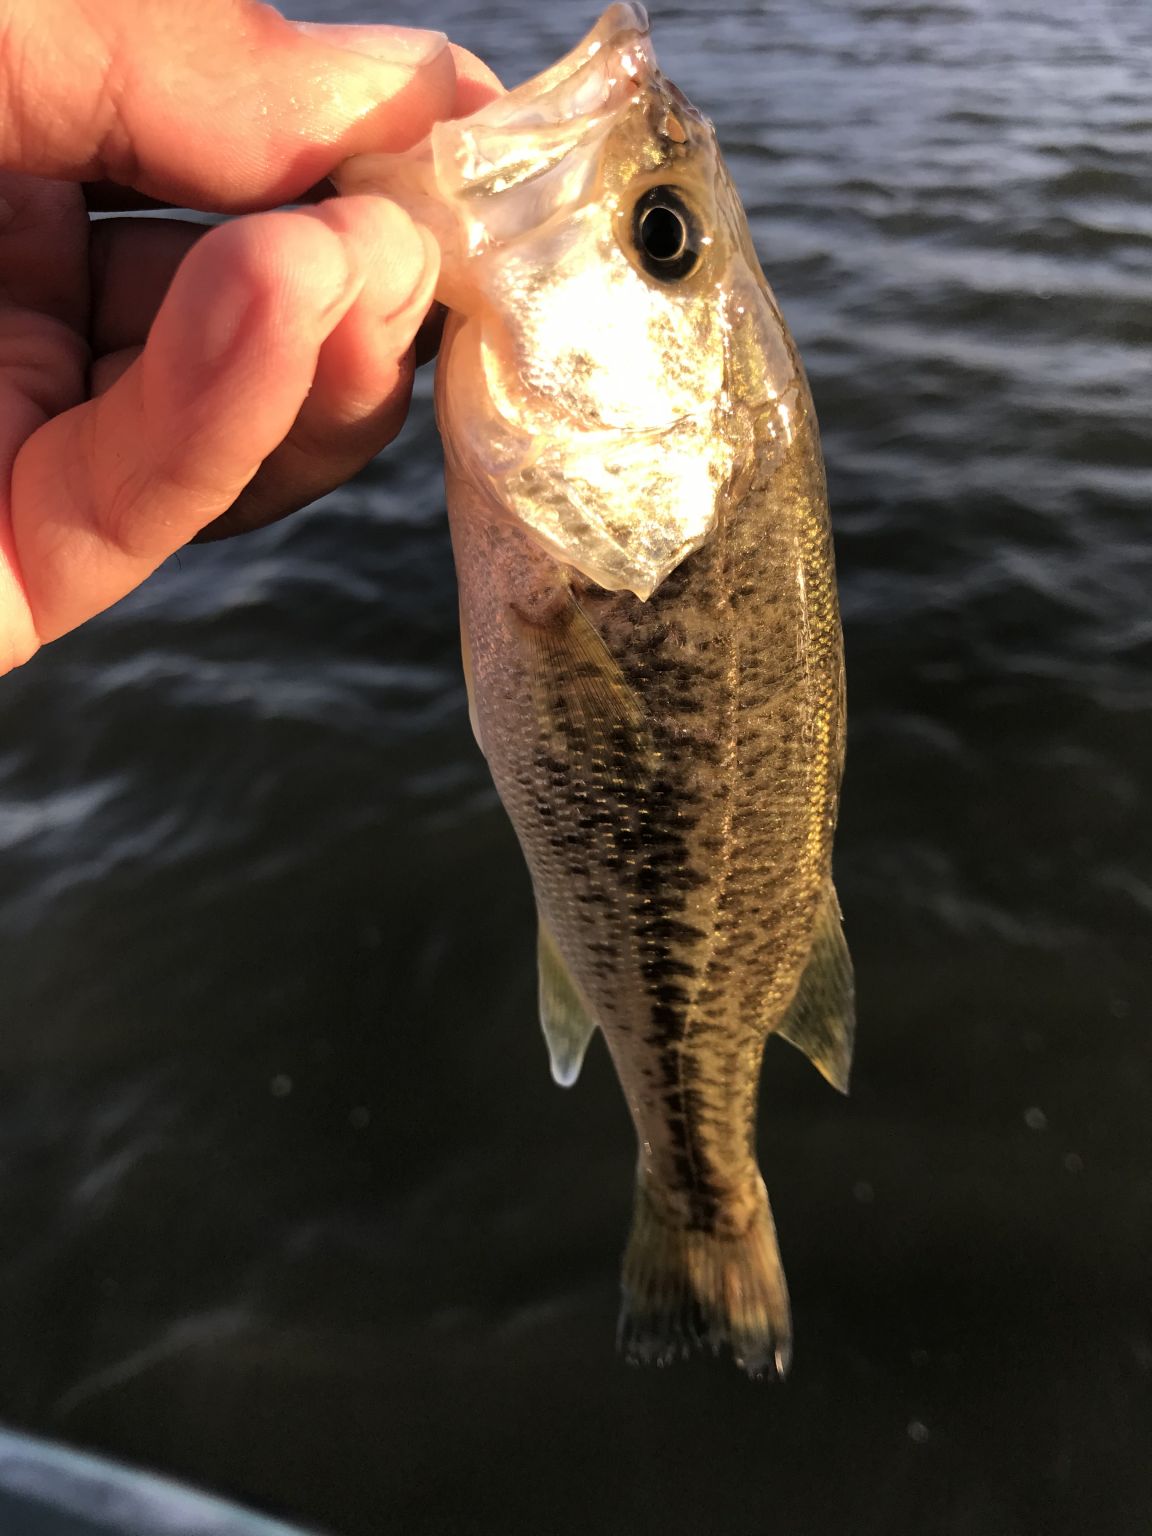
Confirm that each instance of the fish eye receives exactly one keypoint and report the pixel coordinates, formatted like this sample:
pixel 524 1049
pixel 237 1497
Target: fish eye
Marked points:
pixel 666 234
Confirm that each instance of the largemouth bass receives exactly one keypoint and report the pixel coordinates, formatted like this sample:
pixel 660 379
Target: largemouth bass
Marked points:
pixel 651 637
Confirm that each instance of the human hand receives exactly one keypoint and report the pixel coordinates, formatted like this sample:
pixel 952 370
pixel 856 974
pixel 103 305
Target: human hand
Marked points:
pixel 157 378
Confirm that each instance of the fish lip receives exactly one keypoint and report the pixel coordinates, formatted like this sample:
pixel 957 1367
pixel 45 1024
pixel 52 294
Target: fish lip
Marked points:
pixel 620 21
pixel 621 27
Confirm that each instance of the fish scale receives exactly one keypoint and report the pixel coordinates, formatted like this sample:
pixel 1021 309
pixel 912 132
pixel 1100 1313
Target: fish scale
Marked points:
pixel 680 903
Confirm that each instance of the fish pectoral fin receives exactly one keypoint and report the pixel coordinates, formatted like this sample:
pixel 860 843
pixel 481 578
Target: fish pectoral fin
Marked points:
pixel 564 1017
pixel 822 1019
pixel 585 703
pixel 469 681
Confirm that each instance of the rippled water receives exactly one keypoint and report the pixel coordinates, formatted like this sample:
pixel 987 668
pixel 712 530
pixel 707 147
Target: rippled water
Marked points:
pixel 288 1203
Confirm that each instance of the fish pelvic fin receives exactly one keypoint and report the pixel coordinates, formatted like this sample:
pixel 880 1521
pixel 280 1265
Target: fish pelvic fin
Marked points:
pixel 688 1288
pixel 822 1019
pixel 564 1016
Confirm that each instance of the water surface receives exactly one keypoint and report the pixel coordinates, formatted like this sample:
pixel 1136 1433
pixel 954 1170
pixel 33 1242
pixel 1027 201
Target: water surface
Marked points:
pixel 289 1206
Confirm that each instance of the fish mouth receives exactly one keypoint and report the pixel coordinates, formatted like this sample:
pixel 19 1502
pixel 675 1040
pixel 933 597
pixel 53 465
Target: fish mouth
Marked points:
pixel 622 24
pixel 480 181
pixel 523 135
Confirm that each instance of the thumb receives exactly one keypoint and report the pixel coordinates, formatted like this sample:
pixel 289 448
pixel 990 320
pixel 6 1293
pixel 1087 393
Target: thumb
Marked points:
pixel 223 105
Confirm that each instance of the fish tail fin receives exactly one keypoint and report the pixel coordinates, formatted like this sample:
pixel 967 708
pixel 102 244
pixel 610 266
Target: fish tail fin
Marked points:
pixel 687 1288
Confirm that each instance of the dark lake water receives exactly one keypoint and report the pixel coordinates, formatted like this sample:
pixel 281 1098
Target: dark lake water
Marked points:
pixel 289 1206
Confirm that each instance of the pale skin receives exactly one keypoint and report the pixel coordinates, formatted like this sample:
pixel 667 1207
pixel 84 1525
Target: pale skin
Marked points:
pixel 159 380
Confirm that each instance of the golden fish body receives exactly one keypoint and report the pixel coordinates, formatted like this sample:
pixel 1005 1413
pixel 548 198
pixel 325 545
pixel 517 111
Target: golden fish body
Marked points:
pixel 650 625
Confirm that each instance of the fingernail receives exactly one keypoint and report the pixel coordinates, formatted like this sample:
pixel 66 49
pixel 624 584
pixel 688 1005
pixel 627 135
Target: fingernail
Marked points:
pixel 411 263
pixel 409 47
pixel 396 258
pixel 221 323
pixel 409 316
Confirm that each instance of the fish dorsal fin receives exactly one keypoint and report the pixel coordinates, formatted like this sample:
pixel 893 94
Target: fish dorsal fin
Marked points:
pixel 822 1019
pixel 564 1016
pixel 586 705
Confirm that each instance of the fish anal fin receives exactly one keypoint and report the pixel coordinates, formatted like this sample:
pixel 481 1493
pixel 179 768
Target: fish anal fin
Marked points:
pixel 822 1019
pixel 564 1016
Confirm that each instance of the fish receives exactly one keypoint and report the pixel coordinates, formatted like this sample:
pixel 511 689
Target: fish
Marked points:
pixel 651 638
